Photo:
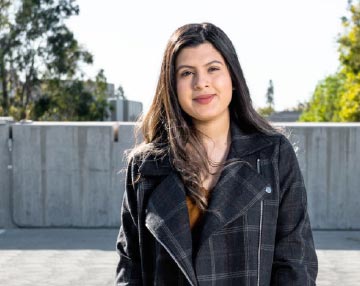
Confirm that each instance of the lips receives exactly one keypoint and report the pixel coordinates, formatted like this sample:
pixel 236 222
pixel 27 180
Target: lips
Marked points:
pixel 204 98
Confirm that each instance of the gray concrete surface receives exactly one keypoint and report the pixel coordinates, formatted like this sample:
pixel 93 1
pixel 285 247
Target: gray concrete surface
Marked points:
pixel 76 257
pixel 66 174
pixel 72 257
pixel 5 177
pixel 329 156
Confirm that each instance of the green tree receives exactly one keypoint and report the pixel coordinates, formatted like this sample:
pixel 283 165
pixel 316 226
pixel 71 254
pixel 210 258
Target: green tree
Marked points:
pixel 269 109
pixel 349 42
pixel 350 99
pixel 270 94
pixel 75 100
pixel 325 102
pixel 337 97
pixel 40 61
pixel 349 50
pixel 6 41
pixel 120 92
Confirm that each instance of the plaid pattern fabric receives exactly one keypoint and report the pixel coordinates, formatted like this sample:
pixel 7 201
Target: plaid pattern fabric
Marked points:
pixel 256 230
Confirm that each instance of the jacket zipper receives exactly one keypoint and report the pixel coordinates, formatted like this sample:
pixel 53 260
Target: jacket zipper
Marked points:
pixel 260 230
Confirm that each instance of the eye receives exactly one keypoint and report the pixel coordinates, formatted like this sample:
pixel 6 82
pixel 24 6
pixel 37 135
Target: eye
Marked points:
pixel 213 68
pixel 185 73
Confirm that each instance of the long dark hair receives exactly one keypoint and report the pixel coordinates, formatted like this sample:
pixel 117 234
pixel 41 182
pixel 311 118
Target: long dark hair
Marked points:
pixel 167 129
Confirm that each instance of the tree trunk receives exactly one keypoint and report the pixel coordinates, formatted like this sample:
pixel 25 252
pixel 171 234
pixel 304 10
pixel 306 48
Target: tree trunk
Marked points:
pixel 5 94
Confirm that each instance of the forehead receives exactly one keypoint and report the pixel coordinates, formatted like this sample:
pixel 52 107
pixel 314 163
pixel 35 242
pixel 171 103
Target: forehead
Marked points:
pixel 200 54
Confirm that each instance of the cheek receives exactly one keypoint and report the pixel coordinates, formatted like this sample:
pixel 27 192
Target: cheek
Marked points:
pixel 224 83
pixel 182 87
pixel 182 91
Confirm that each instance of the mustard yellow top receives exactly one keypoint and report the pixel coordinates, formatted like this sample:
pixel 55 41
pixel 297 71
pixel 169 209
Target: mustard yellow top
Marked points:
pixel 195 213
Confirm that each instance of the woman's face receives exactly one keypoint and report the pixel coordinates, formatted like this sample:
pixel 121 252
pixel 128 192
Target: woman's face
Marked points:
pixel 203 83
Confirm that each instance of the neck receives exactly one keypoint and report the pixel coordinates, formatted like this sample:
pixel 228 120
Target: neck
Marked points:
pixel 216 132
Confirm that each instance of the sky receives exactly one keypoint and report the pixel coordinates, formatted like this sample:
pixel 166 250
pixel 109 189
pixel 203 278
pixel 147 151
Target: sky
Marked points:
pixel 293 43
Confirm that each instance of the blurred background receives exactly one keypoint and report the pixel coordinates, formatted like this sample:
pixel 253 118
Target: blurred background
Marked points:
pixel 84 61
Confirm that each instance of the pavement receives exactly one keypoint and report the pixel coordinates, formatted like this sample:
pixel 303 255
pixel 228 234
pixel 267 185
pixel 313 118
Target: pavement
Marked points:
pixel 76 257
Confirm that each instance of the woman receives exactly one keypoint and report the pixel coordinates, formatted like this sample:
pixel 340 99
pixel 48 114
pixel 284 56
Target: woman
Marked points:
pixel 214 195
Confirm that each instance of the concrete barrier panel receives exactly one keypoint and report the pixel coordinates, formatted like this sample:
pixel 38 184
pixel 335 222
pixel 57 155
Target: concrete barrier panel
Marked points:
pixel 124 141
pixel 5 206
pixel 329 156
pixel 66 175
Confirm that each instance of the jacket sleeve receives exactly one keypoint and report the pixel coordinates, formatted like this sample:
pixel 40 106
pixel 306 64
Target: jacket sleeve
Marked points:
pixel 295 261
pixel 128 271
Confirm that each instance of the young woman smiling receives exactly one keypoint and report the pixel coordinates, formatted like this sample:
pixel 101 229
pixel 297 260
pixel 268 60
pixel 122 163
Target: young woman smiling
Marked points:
pixel 214 195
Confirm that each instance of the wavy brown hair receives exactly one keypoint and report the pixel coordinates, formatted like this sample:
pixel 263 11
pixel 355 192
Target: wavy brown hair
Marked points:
pixel 168 130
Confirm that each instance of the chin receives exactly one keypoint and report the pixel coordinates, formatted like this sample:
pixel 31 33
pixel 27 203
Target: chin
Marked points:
pixel 204 118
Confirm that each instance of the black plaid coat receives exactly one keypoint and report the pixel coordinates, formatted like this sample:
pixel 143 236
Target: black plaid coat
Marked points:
pixel 256 230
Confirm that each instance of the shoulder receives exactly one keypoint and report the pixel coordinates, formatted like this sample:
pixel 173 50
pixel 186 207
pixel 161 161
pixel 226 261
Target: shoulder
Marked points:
pixel 278 144
pixel 257 139
pixel 149 159
pixel 248 142
pixel 279 139
pixel 285 150
pixel 144 171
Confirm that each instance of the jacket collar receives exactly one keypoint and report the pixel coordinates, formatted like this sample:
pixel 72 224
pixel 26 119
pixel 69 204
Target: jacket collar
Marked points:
pixel 166 212
pixel 242 144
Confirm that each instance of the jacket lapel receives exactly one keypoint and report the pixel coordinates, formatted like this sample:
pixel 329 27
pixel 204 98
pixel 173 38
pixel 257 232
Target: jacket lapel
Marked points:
pixel 239 187
pixel 168 221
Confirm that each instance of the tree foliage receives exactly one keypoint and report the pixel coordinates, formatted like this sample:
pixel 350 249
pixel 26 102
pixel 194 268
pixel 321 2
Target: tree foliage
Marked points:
pixel 350 99
pixel 337 97
pixel 265 111
pixel 40 63
pixel 325 103
pixel 75 100
pixel 270 94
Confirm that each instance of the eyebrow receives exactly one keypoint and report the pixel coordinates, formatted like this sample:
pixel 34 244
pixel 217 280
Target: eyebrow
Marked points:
pixel 208 64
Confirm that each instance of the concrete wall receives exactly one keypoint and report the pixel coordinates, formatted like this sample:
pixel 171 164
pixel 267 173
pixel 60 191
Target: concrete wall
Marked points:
pixel 66 174
pixel 329 156
pixel 5 206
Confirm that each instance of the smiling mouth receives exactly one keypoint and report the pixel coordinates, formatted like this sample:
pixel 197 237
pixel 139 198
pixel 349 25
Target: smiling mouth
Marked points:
pixel 204 99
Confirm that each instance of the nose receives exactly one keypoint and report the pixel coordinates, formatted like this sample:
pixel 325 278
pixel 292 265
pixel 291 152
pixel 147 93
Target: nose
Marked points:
pixel 201 81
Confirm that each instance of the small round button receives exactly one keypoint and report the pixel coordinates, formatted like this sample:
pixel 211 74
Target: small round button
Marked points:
pixel 268 189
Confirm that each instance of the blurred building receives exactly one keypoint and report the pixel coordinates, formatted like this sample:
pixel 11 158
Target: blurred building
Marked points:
pixel 122 109
pixel 284 116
